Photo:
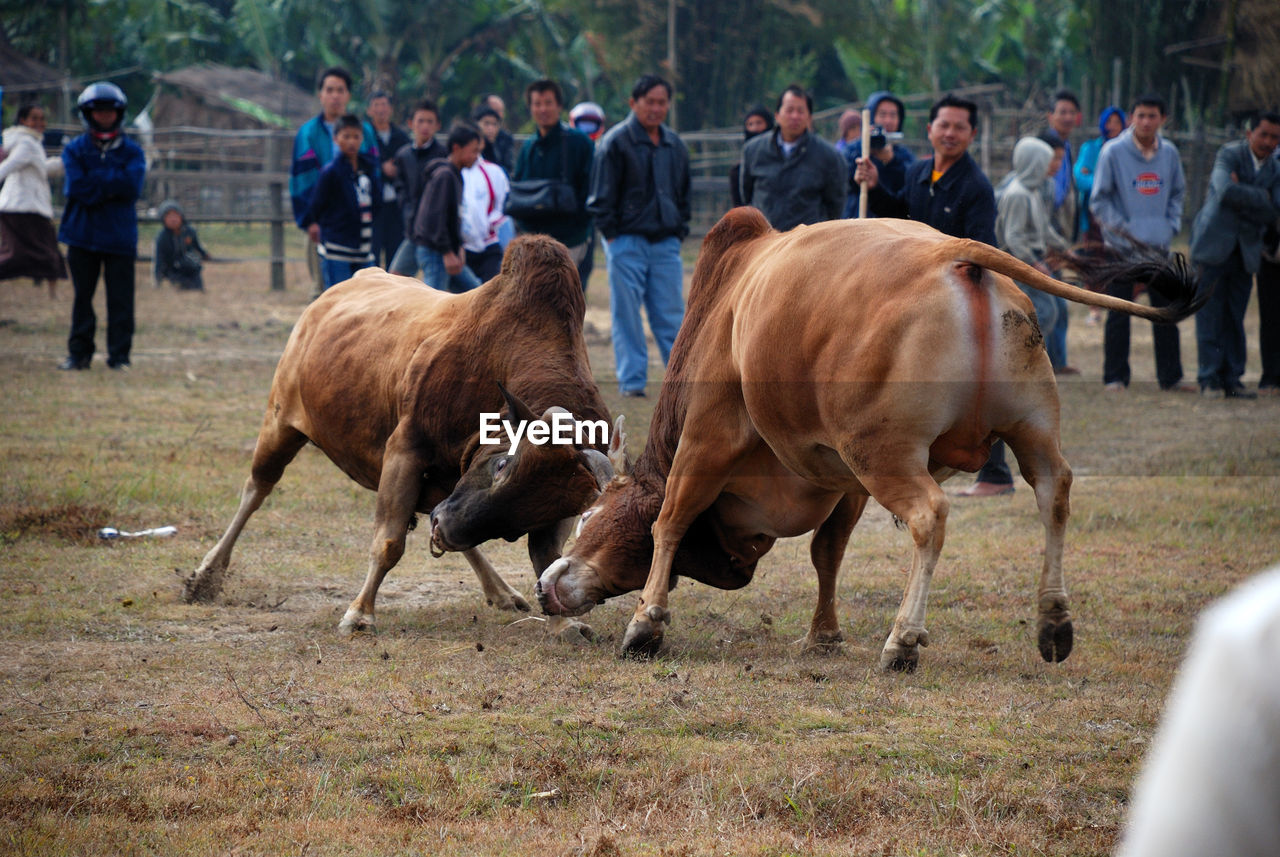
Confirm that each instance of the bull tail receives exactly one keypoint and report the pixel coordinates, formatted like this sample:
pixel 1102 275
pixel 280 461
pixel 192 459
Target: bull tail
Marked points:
pixel 1172 277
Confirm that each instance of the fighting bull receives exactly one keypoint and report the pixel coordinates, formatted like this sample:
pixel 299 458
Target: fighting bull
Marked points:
pixel 816 369
pixel 389 377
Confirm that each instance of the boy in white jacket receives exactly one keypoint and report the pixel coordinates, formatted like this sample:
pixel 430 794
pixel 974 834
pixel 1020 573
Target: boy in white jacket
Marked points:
pixel 28 243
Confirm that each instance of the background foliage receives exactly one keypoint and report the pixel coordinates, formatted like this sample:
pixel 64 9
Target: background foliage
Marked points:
pixel 730 53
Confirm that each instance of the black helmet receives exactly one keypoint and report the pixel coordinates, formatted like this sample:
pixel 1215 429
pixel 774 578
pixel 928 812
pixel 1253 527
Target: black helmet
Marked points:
pixel 102 96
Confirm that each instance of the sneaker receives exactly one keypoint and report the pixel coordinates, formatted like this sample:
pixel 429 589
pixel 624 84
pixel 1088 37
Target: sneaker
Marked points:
pixel 633 394
pixel 986 489
pixel 1183 386
pixel 1115 387
pixel 122 366
pixel 71 364
pixel 1239 393
pixel 1066 370
pixel 1207 392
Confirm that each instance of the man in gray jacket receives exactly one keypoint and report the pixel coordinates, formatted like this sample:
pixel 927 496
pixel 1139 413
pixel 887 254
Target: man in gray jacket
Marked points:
pixel 1138 188
pixel 640 199
pixel 1226 242
pixel 791 175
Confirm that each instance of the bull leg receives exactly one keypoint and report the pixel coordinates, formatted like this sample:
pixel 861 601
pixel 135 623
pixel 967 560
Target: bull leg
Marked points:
pixel 1049 475
pixel 398 489
pixel 687 497
pixel 497 592
pixel 276 447
pixel 545 548
pixel 827 551
pixel 917 501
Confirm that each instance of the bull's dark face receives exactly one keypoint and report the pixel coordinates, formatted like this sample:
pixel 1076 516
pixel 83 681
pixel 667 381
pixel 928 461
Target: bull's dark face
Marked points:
pixel 611 555
pixel 505 495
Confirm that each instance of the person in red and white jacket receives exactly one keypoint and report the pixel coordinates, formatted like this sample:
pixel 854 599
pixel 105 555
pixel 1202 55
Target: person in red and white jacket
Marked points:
pixel 484 191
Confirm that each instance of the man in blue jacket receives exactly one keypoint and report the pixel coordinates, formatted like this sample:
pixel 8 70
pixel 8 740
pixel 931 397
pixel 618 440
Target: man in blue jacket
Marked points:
pixel 950 193
pixel 104 173
pixel 1226 242
pixel 313 149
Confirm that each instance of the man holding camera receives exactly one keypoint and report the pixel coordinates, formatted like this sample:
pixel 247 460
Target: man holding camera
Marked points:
pixel 791 175
pixel 892 159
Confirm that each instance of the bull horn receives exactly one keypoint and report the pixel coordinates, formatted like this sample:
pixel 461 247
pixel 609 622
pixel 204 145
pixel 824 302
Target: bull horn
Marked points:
pixel 618 447
pixel 517 410
pixel 599 465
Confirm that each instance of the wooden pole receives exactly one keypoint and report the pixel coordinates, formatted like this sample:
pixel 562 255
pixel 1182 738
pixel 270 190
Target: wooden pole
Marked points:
pixel 866 153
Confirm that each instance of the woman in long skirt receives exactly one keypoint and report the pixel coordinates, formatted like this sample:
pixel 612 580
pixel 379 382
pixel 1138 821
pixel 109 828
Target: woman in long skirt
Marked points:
pixel 28 243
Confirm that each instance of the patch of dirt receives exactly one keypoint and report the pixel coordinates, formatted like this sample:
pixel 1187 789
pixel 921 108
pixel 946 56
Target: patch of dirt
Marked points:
pixel 69 522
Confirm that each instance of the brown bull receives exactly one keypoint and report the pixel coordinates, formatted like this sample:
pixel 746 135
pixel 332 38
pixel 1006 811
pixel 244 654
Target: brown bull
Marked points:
pixel 815 369
pixel 389 377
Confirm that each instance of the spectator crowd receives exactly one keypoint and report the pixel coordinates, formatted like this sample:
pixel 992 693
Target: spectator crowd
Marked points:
pixel 420 200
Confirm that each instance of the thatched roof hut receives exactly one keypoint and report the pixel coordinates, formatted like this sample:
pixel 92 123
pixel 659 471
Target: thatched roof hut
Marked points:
pixel 217 96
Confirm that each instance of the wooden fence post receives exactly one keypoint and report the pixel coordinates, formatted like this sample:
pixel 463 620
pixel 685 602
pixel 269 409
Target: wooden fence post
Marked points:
pixel 276 192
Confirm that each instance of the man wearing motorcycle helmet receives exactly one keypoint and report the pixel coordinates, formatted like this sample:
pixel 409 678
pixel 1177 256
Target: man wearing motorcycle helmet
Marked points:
pixel 104 173
pixel 588 117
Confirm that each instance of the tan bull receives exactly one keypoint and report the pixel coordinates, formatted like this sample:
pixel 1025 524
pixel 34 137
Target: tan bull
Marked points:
pixel 389 377
pixel 818 368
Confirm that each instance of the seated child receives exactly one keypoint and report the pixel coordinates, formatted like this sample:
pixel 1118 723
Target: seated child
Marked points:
pixel 179 257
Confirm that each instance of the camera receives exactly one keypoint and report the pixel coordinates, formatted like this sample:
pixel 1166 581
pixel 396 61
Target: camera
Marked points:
pixel 880 138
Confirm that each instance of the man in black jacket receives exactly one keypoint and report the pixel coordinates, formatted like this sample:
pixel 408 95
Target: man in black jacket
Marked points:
pixel 556 152
pixel 792 176
pixel 950 193
pixel 410 163
pixel 640 199
pixel 388 228
pixel 437 226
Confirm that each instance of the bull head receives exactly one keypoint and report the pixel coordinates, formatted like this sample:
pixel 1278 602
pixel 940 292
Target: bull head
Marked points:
pixel 505 494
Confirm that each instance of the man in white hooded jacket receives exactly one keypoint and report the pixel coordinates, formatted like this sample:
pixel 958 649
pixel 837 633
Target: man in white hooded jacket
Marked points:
pixel 28 243
pixel 1023 225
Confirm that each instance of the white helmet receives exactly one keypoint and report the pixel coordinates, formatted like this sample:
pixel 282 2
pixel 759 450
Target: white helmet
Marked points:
pixel 588 117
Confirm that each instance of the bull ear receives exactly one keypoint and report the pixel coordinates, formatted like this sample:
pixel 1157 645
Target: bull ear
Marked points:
pixel 517 411
pixel 618 448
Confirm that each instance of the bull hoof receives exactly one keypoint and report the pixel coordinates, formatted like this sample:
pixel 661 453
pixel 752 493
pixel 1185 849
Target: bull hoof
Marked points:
pixel 204 585
pixel 570 631
pixel 511 601
pixel 1055 640
pixel 356 622
pixel 899 659
pixel 823 643
pixel 645 632
pixel 902 651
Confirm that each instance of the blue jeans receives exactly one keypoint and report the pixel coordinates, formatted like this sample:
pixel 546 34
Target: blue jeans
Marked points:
pixel 649 275
pixel 1220 340
pixel 337 272
pixel 435 275
pixel 1055 339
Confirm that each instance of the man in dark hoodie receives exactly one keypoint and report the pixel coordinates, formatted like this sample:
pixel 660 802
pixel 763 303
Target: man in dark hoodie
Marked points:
pixel 892 159
pixel 757 121
pixel 437 226
pixel 411 162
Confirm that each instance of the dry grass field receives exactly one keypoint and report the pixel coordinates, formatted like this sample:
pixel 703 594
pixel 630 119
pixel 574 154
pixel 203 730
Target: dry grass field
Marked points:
pixel 132 723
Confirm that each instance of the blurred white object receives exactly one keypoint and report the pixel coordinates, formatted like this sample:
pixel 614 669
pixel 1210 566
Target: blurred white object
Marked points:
pixel 113 533
pixel 1211 783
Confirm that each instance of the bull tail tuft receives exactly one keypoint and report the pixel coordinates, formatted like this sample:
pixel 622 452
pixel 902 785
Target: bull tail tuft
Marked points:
pixel 1100 269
